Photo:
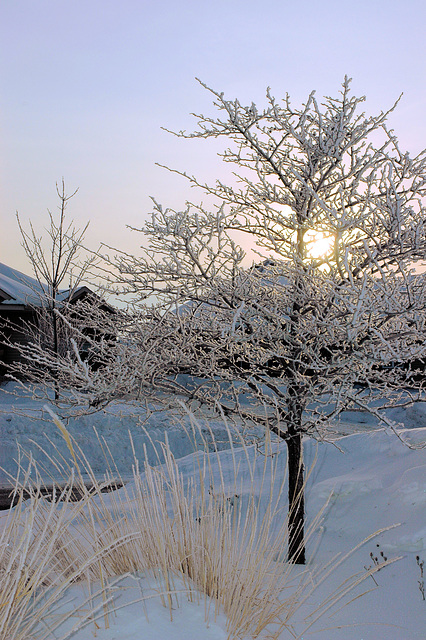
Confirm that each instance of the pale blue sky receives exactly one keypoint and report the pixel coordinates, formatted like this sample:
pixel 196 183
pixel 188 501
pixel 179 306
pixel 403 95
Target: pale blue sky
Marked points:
pixel 86 85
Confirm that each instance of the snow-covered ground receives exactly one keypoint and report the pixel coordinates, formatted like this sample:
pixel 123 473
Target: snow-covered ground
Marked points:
pixel 26 422
pixel 368 481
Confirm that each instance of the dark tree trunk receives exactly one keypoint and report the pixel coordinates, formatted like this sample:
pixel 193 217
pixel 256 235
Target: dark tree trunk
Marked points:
pixel 296 475
pixel 295 406
pixel 296 499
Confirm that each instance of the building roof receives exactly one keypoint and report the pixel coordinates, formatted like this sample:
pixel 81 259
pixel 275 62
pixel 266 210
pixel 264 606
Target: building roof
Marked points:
pixel 16 288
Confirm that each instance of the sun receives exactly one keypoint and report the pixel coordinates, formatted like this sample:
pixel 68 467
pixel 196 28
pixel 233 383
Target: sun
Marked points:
pixel 318 244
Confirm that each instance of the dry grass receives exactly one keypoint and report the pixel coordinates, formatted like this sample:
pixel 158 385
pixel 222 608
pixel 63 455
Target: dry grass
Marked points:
pixel 212 531
pixel 36 565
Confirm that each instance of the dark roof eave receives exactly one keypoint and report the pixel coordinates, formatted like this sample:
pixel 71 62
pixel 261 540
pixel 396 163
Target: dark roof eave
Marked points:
pixel 5 295
pixel 82 291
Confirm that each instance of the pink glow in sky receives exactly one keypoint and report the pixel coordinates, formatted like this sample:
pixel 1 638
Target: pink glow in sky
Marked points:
pixel 86 85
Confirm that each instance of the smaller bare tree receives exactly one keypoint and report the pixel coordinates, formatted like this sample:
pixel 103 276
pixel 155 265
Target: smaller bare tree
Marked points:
pixel 55 264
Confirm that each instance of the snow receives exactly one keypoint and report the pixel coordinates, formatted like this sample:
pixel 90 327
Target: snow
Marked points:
pixel 23 289
pixel 147 621
pixel 26 422
pixel 365 481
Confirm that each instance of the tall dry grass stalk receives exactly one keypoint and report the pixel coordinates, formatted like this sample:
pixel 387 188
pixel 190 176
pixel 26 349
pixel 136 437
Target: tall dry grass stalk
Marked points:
pixel 217 522
pixel 36 565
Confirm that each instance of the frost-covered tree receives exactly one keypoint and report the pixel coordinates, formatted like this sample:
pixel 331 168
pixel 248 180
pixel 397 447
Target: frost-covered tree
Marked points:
pixel 330 313
pixel 291 297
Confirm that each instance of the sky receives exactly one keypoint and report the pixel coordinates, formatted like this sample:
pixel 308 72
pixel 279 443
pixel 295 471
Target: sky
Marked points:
pixel 86 85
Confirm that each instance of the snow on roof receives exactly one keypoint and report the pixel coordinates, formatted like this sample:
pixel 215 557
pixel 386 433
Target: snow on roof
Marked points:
pixel 20 289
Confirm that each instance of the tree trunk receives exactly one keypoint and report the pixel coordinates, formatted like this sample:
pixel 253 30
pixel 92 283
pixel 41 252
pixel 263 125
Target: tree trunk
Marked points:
pixel 296 499
pixel 296 475
pixel 55 341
